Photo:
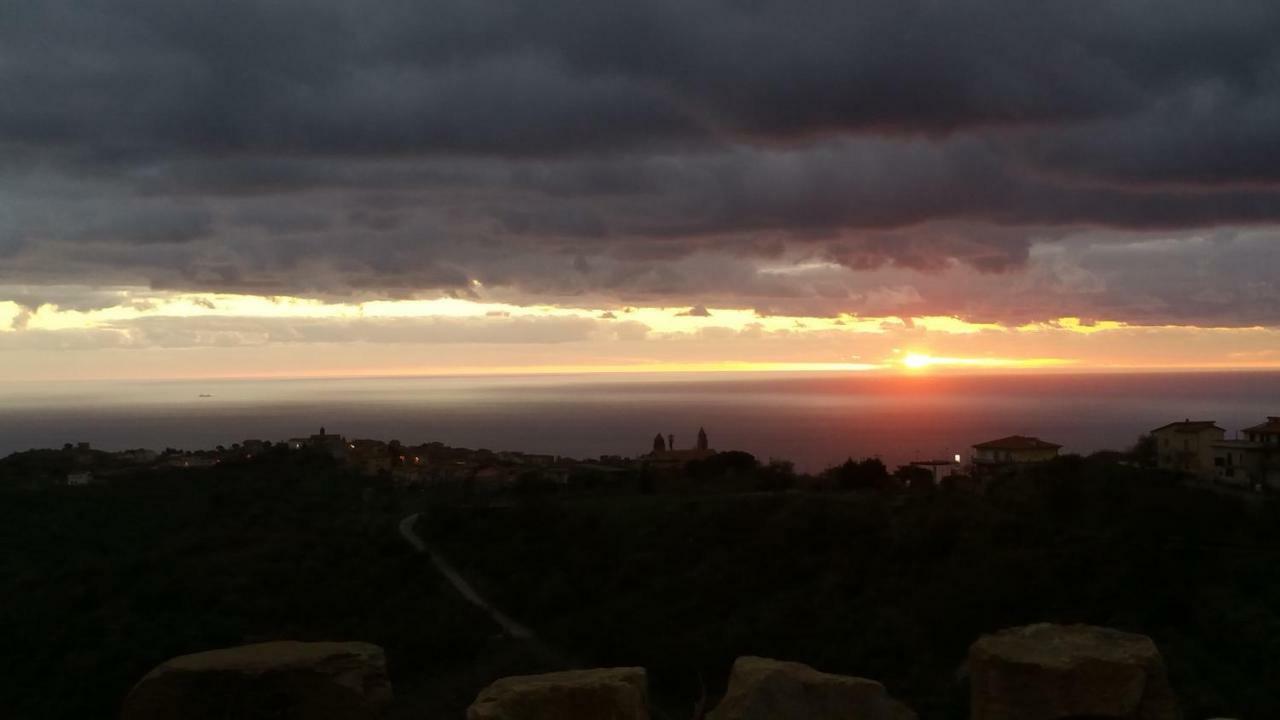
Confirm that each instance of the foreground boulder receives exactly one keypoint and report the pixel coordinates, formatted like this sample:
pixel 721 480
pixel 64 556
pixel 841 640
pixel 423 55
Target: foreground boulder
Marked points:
pixel 278 680
pixel 761 689
pixel 610 694
pixel 1054 672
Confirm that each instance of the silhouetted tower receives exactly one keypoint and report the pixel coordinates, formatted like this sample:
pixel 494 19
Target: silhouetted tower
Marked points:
pixel 702 439
pixel 671 442
pixel 321 431
pixel 658 443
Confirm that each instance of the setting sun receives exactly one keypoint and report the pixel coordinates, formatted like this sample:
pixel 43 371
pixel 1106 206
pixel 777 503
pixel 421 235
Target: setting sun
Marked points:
pixel 922 361
pixel 917 361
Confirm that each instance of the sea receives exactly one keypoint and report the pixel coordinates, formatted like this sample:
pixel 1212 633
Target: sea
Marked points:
pixel 814 420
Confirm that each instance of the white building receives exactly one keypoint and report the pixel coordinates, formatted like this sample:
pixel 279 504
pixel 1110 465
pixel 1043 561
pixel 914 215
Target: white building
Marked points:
pixel 1253 462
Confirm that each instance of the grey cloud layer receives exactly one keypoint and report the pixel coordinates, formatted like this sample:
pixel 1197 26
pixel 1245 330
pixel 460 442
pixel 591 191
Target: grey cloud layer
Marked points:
pixel 502 76
pixel 667 151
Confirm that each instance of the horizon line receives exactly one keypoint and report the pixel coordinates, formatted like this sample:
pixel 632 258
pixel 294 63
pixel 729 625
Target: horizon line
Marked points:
pixel 943 368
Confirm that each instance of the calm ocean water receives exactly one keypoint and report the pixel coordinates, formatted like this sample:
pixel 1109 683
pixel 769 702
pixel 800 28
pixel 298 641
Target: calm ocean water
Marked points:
pixel 813 420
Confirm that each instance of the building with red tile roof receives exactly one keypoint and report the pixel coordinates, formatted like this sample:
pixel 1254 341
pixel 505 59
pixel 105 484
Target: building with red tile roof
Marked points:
pixel 1187 446
pixel 1010 453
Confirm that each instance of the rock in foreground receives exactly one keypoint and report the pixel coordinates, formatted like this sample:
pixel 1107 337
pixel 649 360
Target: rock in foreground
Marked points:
pixel 761 689
pixel 1053 672
pixel 609 694
pixel 278 680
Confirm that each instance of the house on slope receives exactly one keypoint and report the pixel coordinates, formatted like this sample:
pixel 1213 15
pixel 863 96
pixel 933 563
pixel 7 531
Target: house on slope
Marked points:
pixel 1188 446
pixel 1252 461
pixel 1012 453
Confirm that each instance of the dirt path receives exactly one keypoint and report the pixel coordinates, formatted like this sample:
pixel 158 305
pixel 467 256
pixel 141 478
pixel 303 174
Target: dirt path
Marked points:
pixel 511 627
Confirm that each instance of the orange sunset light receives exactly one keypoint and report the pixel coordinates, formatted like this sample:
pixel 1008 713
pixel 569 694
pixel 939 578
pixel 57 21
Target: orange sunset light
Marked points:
pixel 924 361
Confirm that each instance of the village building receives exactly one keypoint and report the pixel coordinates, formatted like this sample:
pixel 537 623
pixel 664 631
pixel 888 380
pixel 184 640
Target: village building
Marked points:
pixel 1011 453
pixel 334 445
pixel 1253 461
pixel 1188 446
pixel 364 446
pixel 666 457
pixel 1267 434
pixel 539 460
pixel 369 457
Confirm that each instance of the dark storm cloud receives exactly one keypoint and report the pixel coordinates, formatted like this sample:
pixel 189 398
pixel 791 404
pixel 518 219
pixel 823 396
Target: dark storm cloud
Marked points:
pixel 564 75
pixel 930 255
pixel 666 151
pixel 149 225
pixel 1209 134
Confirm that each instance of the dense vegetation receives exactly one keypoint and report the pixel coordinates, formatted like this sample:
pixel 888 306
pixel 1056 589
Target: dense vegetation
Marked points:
pixel 103 583
pixel 892 584
pixel 859 571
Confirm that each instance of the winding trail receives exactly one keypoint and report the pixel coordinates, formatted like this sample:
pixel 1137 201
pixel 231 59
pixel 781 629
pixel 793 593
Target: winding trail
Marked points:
pixel 509 626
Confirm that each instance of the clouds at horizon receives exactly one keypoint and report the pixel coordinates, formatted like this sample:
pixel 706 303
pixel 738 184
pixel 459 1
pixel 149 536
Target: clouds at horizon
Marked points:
pixel 993 161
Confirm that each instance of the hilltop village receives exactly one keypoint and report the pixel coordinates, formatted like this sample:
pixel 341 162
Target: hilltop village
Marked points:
pixel 1197 449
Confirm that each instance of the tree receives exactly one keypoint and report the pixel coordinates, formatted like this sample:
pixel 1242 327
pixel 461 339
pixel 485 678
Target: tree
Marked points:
pixel 733 463
pixel 868 474
pixel 1143 452
pixel 777 475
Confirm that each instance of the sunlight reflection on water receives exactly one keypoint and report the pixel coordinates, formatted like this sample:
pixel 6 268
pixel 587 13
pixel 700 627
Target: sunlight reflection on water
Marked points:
pixel 814 420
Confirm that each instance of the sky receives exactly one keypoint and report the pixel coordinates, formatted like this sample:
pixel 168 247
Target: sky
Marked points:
pixel 273 188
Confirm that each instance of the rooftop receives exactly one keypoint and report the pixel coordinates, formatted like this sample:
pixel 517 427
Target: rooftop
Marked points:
pixel 1017 442
pixel 1191 426
pixel 1270 427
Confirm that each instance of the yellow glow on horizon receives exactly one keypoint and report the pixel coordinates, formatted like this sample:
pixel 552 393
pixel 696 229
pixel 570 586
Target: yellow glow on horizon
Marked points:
pixel 686 367
pixel 282 336
pixel 922 361
pixel 953 325
pixel 138 303
pixel 1075 325
pixel 636 368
